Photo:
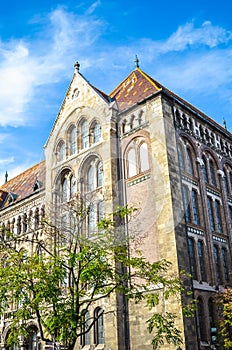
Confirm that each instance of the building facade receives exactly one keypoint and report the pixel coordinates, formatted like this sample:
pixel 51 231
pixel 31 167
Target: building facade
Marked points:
pixel 143 146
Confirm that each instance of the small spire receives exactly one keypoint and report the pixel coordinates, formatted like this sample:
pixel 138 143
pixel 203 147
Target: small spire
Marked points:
pixel 224 123
pixel 77 65
pixel 6 176
pixel 136 61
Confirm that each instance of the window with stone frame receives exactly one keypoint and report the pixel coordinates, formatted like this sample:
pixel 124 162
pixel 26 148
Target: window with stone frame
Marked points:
pixel 137 157
pixel 191 205
pixel 85 337
pixel 96 132
pixel 217 263
pixel 61 151
pixel 84 134
pixel 209 170
pixel 228 179
pixel 68 188
pixel 94 175
pixel 201 258
pixel 72 140
pixel 224 255
pixel 99 337
pixel 192 257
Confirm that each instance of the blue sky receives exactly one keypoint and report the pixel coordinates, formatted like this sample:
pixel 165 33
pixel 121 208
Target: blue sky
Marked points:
pixel 186 45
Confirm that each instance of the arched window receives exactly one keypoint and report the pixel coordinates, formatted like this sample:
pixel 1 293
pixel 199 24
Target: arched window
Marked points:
pixel 212 173
pixel 210 213
pixel 205 170
pixel 144 159
pixel 137 157
pixel 64 189
pixel 217 263
pixel 131 157
pixel 225 264
pixel 200 248
pixel 189 167
pixel 61 151
pixel 100 211
pixel 91 178
pixel 92 219
pixel 84 134
pixel 33 341
pixel 180 156
pixel 218 216
pixel 195 208
pixel 73 140
pixel 85 338
pixel 72 186
pixel 96 133
pixel 99 174
pixel 201 319
pixel 192 258
pixel 94 175
pixel 68 188
pixel 99 326
pixel 186 204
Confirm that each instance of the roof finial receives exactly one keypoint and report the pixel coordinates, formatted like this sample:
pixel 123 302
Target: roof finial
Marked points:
pixel 6 176
pixel 77 66
pixel 136 61
pixel 224 123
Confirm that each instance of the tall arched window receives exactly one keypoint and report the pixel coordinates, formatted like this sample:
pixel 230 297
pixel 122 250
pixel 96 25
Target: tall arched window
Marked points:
pixel 189 167
pixel 195 208
pixel 192 258
pixel 200 248
pixel 73 140
pixel 137 157
pixel 205 170
pixel 210 213
pixel 96 133
pixel 131 157
pixel 91 178
pixel 64 190
pixel 225 264
pixel 85 338
pixel 186 204
pixel 84 134
pixel 144 159
pixel 212 173
pixel 99 174
pixel 99 337
pixel 180 156
pixel 217 263
pixel 61 151
pixel 218 216
pixel 67 186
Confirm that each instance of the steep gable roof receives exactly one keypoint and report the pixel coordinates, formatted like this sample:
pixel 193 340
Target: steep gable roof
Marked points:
pixel 22 185
pixel 136 87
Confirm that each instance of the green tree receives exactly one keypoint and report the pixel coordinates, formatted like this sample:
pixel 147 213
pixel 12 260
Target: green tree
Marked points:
pixel 56 277
pixel 224 302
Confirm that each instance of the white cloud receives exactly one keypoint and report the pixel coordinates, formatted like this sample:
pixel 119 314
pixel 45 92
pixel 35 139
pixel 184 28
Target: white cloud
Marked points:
pixel 188 35
pixel 25 66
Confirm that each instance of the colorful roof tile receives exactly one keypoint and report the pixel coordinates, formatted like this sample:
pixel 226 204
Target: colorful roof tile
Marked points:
pixel 136 87
pixel 23 185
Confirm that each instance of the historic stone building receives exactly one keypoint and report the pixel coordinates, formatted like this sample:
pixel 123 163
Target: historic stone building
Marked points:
pixel 144 146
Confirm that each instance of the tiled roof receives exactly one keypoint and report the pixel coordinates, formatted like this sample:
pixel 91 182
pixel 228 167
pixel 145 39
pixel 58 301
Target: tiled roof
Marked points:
pixel 136 87
pixel 22 185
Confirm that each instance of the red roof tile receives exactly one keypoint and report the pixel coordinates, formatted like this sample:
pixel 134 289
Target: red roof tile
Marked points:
pixel 136 87
pixel 22 185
